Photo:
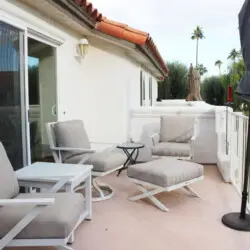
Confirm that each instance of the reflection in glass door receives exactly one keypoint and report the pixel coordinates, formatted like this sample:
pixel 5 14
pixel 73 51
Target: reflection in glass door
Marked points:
pixel 42 96
pixel 12 102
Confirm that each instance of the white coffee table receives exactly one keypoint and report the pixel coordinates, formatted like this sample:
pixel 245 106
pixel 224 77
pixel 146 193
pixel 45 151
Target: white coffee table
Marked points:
pixel 45 175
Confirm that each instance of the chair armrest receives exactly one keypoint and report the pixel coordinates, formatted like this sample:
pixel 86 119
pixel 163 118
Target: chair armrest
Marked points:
pixel 155 138
pixel 59 184
pixel 193 138
pixel 111 149
pixel 192 144
pixel 85 150
pixel 39 206
pixel 19 202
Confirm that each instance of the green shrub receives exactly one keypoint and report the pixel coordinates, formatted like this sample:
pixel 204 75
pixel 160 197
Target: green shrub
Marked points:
pixel 175 85
pixel 212 91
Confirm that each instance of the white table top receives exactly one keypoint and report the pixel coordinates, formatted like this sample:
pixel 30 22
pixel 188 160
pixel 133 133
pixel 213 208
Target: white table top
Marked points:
pixel 51 171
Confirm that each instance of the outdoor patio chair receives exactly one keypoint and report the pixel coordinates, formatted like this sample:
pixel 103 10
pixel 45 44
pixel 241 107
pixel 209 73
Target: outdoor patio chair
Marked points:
pixel 176 138
pixel 69 143
pixel 36 219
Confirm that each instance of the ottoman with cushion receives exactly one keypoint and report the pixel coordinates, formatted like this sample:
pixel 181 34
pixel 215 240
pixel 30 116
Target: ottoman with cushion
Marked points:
pixel 162 175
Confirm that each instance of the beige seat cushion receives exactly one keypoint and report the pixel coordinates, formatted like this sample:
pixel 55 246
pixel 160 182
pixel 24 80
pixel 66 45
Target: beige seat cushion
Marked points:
pixel 8 182
pixel 177 128
pixel 102 161
pixel 71 134
pixel 55 221
pixel 165 172
pixel 172 149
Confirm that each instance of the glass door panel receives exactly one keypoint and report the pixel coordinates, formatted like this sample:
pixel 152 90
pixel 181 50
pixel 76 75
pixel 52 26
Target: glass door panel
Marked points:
pixel 12 101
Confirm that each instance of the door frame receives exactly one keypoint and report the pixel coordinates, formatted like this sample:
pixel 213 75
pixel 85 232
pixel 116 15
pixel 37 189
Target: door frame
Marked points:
pixel 30 32
pixel 5 18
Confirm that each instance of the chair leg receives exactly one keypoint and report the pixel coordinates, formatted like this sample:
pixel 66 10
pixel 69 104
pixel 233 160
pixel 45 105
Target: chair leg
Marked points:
pixel 80 187
pixel 149 194
pixel 100 188
pixel 190 190
pixel 71 238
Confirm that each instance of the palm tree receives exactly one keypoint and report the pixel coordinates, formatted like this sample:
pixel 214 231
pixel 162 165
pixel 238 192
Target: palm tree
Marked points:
pixel 202 69
pixel 197 35
pixel 218 64
pixel 233 55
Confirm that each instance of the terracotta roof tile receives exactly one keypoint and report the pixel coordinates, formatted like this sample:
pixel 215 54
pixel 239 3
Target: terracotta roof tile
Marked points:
pixel 138 37
pixel 152 45
pixel 87 6
pixel 122 31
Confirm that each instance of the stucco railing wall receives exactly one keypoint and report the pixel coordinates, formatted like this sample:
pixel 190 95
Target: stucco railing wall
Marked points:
pixel 237 148
pixel 231 162
pixel 146 121
pixel 181 103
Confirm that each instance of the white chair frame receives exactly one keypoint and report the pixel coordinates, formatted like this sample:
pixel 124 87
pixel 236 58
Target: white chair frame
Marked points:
pixel 155 139
pixel 155 189
pixel 99 187
pixel 39 204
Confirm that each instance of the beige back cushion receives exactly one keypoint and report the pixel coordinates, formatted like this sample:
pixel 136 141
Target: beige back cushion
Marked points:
pixel 71 134
pixel 177 128
pixel 9 187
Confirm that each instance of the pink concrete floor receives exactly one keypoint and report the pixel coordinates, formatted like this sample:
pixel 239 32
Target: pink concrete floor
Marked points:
pixel 191 224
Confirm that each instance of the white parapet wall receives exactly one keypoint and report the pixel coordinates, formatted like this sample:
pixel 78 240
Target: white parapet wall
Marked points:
pixel 231 129
pixel 179 103
pixel 146 121
pixel 176 102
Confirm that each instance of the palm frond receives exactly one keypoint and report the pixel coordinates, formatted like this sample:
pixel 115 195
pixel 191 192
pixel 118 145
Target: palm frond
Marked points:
pixel 198 33
pixel 218 63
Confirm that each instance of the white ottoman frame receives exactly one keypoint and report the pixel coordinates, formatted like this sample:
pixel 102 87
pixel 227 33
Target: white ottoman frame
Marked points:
pixel 158 189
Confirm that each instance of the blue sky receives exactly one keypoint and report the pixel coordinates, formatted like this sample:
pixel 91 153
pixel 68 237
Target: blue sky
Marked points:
pixel 171 23
pixel 33 61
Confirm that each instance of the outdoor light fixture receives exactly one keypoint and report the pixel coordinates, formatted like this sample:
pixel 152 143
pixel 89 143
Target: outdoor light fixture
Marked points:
pixel 82 47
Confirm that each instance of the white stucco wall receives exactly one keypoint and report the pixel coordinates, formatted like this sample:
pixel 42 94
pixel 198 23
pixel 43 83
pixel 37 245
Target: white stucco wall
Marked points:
pixel 95 91
pixel 100 89
pixel 134 89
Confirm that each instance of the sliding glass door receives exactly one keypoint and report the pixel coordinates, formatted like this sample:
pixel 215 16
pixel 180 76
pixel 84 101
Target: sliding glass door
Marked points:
pixel 12 95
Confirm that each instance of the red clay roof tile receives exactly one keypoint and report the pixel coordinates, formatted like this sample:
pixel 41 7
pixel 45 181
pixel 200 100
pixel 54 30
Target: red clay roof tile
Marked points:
pixel 87 6
pixel 122 31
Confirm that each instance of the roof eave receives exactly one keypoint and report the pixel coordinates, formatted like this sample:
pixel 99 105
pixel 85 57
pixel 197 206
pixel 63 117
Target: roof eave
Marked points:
pixel 111 39
pixel 76 10
pixel 150 56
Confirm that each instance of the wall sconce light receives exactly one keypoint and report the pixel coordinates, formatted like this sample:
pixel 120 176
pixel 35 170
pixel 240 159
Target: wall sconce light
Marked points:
pixel 82 47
